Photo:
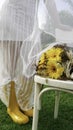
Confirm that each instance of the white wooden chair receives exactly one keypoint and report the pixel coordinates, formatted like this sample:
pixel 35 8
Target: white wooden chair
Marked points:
pixel 52 84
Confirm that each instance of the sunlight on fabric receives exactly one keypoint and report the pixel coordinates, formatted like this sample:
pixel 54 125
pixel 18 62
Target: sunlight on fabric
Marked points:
pixel 1 3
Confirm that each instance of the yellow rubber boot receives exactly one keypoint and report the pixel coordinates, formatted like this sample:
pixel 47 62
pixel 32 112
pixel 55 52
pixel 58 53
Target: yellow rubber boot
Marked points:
pixel 13 109
pixel 29 112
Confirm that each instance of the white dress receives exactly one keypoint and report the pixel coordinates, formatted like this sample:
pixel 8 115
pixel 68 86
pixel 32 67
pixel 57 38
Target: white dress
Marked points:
pixel 17 22
pixel 22 23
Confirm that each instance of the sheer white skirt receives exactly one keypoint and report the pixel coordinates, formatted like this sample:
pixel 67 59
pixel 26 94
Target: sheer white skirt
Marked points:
pixel 11 69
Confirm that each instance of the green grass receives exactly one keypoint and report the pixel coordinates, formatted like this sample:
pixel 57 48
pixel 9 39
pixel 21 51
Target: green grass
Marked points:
pixel 46 120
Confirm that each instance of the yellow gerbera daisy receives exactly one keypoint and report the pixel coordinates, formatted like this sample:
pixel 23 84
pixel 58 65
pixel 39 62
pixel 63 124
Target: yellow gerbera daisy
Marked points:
pixel 43 58
pixel 54 70
pixel 54 54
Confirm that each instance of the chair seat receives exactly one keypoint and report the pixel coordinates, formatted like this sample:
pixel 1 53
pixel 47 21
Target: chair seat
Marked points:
pixel 64 84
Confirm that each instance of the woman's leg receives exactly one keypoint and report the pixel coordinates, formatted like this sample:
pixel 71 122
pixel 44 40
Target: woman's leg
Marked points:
pixel 25 95
pixel 10 58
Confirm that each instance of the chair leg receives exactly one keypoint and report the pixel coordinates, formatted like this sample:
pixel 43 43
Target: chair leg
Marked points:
pixel 36 111
pixel 57 98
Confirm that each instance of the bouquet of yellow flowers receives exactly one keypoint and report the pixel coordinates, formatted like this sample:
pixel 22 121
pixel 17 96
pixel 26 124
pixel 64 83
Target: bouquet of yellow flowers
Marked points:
pixel 56 62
